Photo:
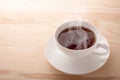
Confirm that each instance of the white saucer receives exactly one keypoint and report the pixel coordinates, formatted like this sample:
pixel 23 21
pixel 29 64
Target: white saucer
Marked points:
pixel 69 65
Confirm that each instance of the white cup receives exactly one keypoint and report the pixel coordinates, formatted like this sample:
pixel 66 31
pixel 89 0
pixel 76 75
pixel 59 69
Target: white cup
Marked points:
pixel 83 52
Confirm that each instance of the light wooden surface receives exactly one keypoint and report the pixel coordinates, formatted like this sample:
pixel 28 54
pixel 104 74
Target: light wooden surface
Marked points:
pixel 24 32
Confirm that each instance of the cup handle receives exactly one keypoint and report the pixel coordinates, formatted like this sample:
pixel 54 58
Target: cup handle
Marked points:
pixel 104 46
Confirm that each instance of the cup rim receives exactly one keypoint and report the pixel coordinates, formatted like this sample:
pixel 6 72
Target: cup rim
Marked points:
pixel 96 38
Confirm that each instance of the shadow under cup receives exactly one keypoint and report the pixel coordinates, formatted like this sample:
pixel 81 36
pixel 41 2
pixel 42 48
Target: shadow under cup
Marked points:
pixel 82 52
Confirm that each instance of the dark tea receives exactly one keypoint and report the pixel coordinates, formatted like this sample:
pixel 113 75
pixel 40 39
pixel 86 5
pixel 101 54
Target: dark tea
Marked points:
pixel 77 38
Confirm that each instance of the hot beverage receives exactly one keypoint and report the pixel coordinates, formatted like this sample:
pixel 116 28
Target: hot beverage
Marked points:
pixel 76 38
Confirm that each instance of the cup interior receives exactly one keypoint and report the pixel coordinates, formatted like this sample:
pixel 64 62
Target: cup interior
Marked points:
pixel 79 24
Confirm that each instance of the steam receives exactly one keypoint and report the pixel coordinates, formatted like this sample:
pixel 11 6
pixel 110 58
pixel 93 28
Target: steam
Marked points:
pixel 82 39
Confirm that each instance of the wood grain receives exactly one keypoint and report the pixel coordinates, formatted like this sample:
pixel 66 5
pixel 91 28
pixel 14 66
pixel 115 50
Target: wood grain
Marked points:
pixel 24 33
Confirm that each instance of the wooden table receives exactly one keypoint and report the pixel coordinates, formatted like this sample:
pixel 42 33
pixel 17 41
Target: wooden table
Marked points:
pixel 23 35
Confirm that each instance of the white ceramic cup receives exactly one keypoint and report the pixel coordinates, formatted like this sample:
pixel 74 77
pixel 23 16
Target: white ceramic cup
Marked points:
pixel 83 52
